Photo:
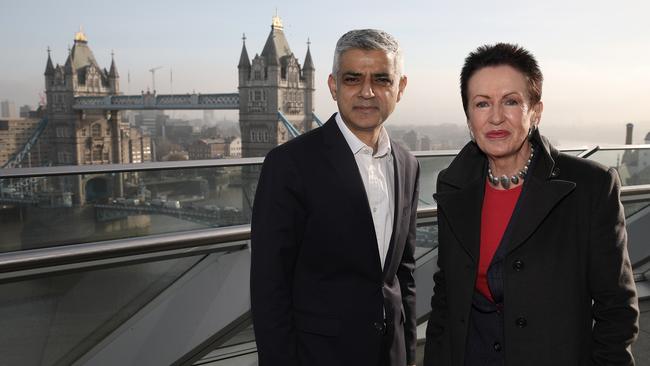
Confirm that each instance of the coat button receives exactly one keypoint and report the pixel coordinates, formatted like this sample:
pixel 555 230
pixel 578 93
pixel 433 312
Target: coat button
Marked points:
pixel 380 327
pixel 555 173
pixel 521 322
pixel 497 346
pixel 518 265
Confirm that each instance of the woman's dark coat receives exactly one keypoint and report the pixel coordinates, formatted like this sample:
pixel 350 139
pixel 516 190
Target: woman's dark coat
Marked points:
pixel 569 294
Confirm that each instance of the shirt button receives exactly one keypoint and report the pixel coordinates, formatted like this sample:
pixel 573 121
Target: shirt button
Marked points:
pixel 518 265
pixel 374 209
pixel 380 327
pixel 521 322
pixel 497 346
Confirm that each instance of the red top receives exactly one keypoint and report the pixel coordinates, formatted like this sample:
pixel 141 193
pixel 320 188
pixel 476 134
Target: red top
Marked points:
pixel 495 215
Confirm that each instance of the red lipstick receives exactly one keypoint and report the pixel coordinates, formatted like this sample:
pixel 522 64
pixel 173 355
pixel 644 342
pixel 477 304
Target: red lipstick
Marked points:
pixel 497 134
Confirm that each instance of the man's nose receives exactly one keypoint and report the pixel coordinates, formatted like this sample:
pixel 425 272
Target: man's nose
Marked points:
pixel 366 89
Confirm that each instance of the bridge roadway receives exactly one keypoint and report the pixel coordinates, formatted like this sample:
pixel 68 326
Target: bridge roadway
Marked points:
pixel 152 101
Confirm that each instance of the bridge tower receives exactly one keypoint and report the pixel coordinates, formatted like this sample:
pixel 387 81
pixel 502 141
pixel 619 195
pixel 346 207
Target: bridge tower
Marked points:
pixel 274 81
pixel 76 137
pixel 82 137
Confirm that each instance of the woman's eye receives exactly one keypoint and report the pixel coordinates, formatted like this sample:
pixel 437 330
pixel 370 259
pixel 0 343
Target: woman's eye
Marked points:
pixel 512 102
pixel 482 104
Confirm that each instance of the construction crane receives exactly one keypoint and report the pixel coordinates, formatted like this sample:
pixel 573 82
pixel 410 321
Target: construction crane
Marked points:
pixel 153 77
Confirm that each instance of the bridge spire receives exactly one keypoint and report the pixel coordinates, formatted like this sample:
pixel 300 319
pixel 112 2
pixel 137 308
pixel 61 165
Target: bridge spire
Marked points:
pixel 49 67
pixel 80 36
pixel 244 61
pixel 277 22
pixel 113 71
pixel 309 64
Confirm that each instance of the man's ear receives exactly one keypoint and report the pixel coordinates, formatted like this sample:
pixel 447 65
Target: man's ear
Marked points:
pixel 331 82
pixel 402 85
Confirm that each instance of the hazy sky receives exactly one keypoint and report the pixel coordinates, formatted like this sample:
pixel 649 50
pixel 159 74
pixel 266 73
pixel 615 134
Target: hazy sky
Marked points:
pixel 595 55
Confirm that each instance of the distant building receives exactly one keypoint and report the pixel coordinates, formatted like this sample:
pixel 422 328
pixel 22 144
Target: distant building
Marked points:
pixel 136 147
pixel 7 109
pixel 411 140
pixel 207 149
pixel 14 134
pixel 179 132
pixel 25 111
pixel 425 143
pixel 233 148
pixel 151 122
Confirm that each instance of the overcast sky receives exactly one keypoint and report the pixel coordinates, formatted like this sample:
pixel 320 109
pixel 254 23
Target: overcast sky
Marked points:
pixel 595 55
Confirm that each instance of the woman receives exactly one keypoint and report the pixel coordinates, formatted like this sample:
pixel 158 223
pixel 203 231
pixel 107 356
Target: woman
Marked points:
pixel 533 265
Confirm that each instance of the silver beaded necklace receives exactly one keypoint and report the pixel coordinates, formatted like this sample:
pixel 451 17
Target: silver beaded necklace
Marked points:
pixel 504 181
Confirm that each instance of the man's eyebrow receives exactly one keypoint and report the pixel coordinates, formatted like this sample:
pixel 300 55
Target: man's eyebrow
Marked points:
pixel 382 75
pixel 352 73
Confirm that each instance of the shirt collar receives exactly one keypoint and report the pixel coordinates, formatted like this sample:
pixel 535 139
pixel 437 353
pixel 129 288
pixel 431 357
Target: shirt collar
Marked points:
pixel 383 145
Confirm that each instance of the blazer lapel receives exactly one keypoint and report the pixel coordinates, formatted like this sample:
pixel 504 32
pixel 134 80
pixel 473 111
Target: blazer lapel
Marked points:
pixel 399 202
pixel 345 166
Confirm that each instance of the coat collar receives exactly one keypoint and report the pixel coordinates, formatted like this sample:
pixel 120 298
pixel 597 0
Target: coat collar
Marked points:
pixel 461 189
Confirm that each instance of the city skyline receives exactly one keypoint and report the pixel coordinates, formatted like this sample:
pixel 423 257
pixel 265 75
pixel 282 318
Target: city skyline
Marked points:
pixel 593 54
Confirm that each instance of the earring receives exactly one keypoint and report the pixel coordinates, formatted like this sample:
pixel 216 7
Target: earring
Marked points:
pixel 471 136
pixel 532 129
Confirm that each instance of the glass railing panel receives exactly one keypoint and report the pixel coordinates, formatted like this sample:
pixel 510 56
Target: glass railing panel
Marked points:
pixel 54 320
pixel 47 211
pixel 426 237
pixel 631 208
pixel 430 167
pixel 633 165
pixel 574 152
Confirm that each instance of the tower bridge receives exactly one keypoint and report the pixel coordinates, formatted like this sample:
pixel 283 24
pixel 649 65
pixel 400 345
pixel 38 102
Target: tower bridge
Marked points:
pixel 83 123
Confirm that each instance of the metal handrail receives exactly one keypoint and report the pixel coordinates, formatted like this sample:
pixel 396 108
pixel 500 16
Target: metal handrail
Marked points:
pixel 229 237
pixel 94 251
pixel 174 165
pixel 121 168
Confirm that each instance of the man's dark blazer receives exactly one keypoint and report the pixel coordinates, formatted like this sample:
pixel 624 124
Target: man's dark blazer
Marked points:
pixel 565 246
pixel 318 292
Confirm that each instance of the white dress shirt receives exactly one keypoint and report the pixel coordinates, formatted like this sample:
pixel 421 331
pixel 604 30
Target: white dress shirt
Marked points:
pixel 378 177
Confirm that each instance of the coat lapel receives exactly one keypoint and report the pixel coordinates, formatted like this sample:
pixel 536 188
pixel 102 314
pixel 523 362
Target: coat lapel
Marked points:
pixel 542 192
pixel 462 211
pixel 342 159
pixel 460 198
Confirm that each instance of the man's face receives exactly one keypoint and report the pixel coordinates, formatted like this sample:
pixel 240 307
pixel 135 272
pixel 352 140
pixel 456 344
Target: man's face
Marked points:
pixel 366 88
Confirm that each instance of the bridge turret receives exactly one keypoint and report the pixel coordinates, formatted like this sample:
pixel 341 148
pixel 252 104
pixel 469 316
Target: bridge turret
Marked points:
pixel 113 76
pixel 308 74
pixel 272 84
pixel 244 63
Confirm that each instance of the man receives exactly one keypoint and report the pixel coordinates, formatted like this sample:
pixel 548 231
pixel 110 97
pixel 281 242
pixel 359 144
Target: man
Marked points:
pixel 333 227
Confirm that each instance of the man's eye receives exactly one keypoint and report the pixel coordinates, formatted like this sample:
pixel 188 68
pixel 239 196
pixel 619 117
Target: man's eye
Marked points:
pixel 384 81
pixel 351 80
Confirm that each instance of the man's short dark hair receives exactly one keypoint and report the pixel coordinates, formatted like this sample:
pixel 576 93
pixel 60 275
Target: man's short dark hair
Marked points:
pixel 500 54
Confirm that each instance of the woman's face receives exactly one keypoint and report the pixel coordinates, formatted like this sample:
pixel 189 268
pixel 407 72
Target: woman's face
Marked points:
pixel 499 112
